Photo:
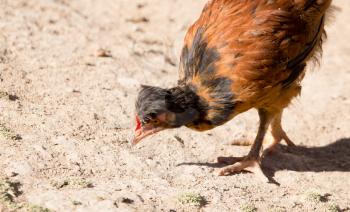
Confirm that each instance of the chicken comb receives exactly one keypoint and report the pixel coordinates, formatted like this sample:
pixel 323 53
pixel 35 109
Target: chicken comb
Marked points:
pixel 138 123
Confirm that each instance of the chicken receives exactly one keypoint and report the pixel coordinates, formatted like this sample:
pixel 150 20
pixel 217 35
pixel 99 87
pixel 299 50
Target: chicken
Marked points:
pixel 239 55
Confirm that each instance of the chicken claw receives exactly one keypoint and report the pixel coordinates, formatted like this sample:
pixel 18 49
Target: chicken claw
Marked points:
pixel 250 165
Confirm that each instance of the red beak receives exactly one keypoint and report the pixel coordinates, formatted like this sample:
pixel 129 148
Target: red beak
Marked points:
pixel 142 132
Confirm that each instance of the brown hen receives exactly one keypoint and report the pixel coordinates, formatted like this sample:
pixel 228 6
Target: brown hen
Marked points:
pixel 239 55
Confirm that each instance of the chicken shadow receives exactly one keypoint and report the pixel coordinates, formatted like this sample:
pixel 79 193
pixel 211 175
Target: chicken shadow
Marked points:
pixel 334 157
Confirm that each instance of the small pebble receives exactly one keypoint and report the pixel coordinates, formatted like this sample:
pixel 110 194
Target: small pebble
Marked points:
pixel 125 200
pixel 103 53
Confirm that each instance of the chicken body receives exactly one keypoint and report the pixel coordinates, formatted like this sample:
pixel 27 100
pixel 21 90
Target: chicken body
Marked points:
pixel 239 55
pixel 244 54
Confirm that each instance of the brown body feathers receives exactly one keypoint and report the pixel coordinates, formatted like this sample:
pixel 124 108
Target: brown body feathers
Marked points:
pixel 243 54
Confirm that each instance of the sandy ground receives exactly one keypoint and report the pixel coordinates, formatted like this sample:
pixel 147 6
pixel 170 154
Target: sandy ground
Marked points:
pixel 66 116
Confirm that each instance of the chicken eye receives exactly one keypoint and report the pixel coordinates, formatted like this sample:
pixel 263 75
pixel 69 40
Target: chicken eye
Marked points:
pixel 155 121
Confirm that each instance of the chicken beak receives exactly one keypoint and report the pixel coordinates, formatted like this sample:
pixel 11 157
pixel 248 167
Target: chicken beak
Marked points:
pixel 144 132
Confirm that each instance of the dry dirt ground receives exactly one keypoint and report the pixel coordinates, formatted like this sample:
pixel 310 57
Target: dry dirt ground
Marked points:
pixel 66 113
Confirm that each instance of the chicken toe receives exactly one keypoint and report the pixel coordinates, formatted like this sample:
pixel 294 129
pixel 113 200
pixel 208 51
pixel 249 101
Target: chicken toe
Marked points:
pixel 250 165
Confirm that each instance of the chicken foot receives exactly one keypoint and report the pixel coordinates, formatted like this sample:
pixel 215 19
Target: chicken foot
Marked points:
pixel 251 162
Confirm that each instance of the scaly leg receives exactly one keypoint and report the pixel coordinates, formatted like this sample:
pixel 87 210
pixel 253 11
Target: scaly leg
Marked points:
pixel 251 162
pixel 276 134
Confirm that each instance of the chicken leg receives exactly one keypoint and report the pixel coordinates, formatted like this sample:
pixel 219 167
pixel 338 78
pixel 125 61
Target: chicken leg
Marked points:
pixel 274 137
pixel 276 134
pixel 251 162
